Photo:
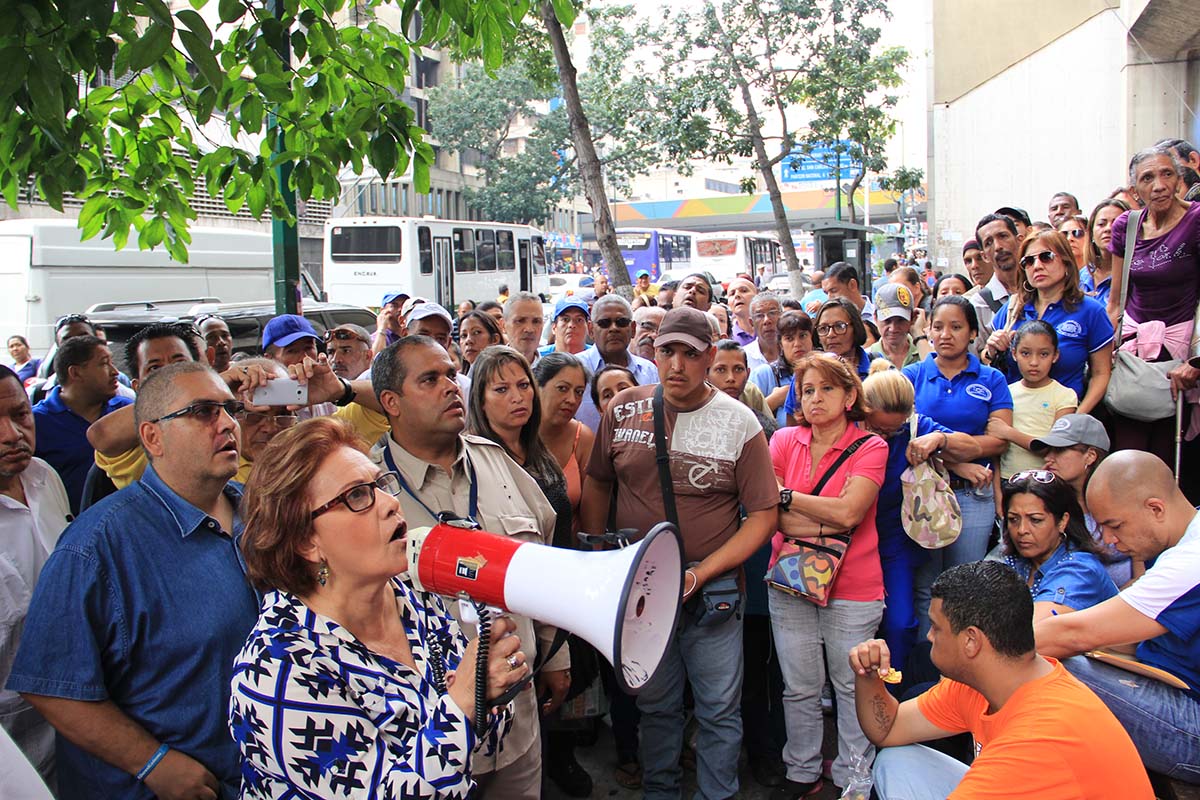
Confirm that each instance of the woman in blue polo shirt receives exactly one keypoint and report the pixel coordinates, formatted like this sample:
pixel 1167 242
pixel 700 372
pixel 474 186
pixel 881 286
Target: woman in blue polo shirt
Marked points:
pixel 840 330
pixel 953 388
pixel 1050 292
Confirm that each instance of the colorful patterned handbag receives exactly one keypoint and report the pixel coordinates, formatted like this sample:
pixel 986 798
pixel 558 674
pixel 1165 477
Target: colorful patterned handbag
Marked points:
pixel 808 567
pixel 929 512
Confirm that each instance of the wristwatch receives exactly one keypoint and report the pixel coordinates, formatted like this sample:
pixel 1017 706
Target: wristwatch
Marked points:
pixel 785 499
pixel 919 338
pixel 348 394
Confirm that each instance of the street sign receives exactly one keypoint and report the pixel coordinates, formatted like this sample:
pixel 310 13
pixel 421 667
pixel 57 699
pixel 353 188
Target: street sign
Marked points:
pixel 817 165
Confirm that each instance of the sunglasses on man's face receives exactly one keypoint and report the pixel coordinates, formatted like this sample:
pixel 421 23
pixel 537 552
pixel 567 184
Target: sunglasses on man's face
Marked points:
pixel 620 322
pixel 206 411
pixel 1046 256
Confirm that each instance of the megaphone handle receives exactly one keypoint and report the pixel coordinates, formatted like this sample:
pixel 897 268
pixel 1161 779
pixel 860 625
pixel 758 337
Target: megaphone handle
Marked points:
pixel 484 627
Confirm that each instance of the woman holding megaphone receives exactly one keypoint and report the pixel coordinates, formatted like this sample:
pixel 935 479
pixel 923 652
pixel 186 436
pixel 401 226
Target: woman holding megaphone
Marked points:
pixel 352 682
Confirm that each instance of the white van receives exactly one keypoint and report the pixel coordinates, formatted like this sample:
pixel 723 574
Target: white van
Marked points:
pixel 47 271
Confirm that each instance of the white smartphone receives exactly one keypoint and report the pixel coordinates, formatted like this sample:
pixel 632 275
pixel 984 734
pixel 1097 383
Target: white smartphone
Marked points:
pixel 280 392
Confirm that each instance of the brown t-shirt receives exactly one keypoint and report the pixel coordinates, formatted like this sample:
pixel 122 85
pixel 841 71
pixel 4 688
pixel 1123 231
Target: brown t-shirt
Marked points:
pixel 719 460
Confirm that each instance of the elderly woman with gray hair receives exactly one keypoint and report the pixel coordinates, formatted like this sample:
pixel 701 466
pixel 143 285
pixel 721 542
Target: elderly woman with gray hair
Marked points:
pixel 1164 286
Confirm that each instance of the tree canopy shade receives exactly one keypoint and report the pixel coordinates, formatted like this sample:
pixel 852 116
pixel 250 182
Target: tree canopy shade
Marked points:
pixel 163 90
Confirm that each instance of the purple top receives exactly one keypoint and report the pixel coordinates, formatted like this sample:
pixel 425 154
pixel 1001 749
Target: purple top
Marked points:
pixel 1165 273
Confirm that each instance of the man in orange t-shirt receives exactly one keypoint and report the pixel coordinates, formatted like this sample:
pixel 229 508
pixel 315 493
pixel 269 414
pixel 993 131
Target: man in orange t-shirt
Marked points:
pixel 1040 734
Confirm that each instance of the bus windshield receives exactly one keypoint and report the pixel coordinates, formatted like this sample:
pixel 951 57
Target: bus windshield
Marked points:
pixel 365 244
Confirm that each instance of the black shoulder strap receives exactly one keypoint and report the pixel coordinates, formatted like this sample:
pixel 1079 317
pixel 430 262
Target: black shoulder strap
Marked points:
pixel 849 451
pixel 663 458
pixel 992 302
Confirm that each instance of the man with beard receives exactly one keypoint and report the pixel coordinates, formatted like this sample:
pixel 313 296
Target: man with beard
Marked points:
pixel 695 291
pixel 87 391
pixel 349 350
pixel 217 339
pixel 646 319
pixel 1000 238
pixel 741 291
pixel 612 331
pixel 138 615
pixel 33 512
pixel 443 469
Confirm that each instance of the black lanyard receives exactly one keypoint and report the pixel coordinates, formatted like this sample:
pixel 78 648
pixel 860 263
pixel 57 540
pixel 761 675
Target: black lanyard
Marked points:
pixel 472 503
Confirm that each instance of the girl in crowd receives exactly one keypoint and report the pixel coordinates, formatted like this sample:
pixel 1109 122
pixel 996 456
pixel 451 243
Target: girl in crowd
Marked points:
pixel 1075 229
pixel 1046 542
pixel 775 380
pixel 832 403
pixel 1164 286
pixel 951 283
pixel 954 389
pixel 890 399
pixel 842 333
pixel 1038 399
pixel 477 332
pixel 1050 291
pixel 1100 233
pixel 608 382
pixel 1072 450
pixel 729 374
pixel 344 646
pixel 504 407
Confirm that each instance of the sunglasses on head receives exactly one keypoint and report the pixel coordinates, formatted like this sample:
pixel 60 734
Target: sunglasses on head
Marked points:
pixel 341 336
pixel 1039 475
pixel 1046 256
pixel 71 319
pixel 620 322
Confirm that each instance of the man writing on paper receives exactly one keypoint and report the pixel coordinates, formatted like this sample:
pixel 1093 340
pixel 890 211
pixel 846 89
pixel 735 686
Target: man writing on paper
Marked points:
pixel 1134 499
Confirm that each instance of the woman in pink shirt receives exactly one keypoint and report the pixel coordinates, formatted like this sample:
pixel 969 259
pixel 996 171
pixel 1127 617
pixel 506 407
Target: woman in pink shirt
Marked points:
pixel 832 401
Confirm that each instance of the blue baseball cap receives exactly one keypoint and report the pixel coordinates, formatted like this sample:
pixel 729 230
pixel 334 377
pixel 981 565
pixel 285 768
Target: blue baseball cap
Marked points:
pixel 643 273
pixel 390 296
pixel 285 329
pixel 587 281
pixel 571 302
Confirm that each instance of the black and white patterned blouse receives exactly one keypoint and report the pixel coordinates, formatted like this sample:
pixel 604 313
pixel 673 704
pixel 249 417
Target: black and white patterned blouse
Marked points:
pixel 317 714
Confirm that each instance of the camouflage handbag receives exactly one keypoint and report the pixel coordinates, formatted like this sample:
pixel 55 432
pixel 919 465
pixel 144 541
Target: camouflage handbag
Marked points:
pixel 929 512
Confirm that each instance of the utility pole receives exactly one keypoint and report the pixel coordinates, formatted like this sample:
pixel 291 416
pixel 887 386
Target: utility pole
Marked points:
pixel 285 241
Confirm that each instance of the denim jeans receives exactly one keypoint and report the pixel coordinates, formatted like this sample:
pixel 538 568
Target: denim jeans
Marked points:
pixel 800 629
pixel 1163 722
pixel 916 772
pixel 979 519
pixel 900 624
pixel 711 660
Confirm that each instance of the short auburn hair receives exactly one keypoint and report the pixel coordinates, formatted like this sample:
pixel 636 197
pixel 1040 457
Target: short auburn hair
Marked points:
pixel 837 372
pixel 276 505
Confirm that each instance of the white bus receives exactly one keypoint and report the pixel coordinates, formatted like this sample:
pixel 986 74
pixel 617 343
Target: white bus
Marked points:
pixel 47 271
pixel 727 254
pixel 446 261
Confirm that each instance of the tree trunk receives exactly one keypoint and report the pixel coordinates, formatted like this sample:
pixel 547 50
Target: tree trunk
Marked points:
pixel 854 184
pixel 589 162
pixel 782 230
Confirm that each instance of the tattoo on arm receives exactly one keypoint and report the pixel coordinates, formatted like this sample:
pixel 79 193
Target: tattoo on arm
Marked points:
pixel 879 707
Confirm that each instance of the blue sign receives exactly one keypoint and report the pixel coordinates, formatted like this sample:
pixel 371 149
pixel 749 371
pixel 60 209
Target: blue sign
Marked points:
pixel 818 164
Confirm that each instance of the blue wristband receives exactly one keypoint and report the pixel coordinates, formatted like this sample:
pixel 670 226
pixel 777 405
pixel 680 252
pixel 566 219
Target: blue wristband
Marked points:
pixel 152 763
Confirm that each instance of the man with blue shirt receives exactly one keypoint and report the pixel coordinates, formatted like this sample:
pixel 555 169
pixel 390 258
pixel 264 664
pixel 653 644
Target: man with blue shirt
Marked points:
pixel 1140 510
pixel 612 331
pixel 87 390
pixel 130 640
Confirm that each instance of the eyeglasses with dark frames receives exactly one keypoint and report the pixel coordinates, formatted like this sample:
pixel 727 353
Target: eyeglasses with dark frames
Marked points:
pixel 620 322
pixel 361 496
pixel 1046 256
pixel 206 411
pixel 837 327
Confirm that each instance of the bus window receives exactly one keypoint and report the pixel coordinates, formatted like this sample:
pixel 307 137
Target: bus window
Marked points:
pixel 425 246
pixel 505 254
pixel 485 249
pixel 464 250
pixel 365 244
pixel 676 251
pixel 539 255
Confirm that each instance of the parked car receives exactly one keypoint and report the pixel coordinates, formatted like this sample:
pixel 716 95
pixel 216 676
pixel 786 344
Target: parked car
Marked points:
pixel 564 284
pixel 781 283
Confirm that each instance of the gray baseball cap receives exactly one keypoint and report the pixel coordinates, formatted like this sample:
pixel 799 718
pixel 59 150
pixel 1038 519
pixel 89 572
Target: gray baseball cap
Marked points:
pixel 1071 430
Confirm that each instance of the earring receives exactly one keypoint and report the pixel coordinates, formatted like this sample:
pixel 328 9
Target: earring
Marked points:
pixel 323 573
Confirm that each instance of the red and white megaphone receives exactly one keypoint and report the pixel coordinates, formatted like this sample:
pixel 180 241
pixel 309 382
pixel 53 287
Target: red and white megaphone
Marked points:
pixel 623 602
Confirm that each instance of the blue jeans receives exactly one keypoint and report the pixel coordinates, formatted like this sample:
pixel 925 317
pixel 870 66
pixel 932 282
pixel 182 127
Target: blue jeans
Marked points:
pixel 711 660
pixel 900 624
pixel 1163 722
pixel 916 772
pixel 979 519
pixel 801 629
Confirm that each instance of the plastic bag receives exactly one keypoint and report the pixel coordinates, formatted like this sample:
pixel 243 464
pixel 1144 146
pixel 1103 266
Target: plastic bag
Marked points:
pixel 858 787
